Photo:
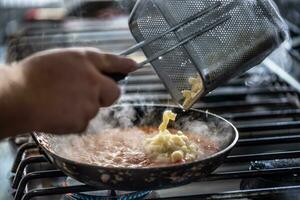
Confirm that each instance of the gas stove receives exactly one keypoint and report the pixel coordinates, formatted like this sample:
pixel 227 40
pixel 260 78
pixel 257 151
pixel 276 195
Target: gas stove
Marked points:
pixel 265 164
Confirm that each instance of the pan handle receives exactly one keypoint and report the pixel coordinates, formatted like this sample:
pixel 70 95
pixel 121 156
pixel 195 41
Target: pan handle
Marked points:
pixel 116 76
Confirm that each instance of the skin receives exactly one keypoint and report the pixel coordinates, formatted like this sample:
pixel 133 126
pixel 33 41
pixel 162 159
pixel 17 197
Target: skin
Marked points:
pixel 58 91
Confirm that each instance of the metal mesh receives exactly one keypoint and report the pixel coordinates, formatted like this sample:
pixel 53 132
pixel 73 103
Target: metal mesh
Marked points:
pixel 254 30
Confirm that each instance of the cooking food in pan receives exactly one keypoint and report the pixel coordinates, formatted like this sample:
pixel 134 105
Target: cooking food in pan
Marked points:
pixel 173 146
pixel 118 150
pixel 137 146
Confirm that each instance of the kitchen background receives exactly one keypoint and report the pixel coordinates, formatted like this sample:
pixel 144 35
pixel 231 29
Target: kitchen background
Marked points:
pixel 264 106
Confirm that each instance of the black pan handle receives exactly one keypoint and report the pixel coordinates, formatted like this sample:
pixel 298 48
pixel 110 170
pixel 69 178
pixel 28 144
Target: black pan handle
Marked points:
pixel 117 76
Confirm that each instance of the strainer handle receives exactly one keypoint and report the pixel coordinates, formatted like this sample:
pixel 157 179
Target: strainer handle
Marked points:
pixel 138 46
pixel 119 76
pixel 133 49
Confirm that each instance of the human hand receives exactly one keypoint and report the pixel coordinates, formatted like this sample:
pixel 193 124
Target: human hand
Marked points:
pixel 60 90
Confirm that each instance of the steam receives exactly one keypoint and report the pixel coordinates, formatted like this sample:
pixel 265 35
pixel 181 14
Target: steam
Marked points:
pixel 104 135
pixel 126 116
pixel 216 130
pixel 108 118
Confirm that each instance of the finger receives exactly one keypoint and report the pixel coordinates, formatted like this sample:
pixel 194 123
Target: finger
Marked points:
pixel 109 91
pixel 109 63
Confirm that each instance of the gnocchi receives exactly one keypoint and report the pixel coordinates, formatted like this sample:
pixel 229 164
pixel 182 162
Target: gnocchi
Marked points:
pixel 167 147
pixel 167 116
pixel 190 96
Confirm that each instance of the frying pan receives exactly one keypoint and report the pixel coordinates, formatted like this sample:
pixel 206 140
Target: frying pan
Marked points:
pixel 151 178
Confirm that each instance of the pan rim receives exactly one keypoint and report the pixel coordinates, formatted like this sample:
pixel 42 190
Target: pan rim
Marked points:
pixel 155 168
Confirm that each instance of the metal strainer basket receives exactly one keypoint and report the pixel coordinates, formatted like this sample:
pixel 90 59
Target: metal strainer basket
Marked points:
pixel 249 30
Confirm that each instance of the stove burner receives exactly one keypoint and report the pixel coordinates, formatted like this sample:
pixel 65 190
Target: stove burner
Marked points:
pixel 273 181
pixel 104 194
pixel 109 196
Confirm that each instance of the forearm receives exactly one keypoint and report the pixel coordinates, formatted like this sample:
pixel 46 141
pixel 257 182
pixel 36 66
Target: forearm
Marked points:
pixel 13 118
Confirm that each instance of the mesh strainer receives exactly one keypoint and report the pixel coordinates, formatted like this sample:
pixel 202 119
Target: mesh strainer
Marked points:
pixel 208 41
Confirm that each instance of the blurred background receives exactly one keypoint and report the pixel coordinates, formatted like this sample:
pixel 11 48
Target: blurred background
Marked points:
pixel 28 26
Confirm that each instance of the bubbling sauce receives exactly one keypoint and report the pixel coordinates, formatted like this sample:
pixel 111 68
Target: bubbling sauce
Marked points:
pixel 124 147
